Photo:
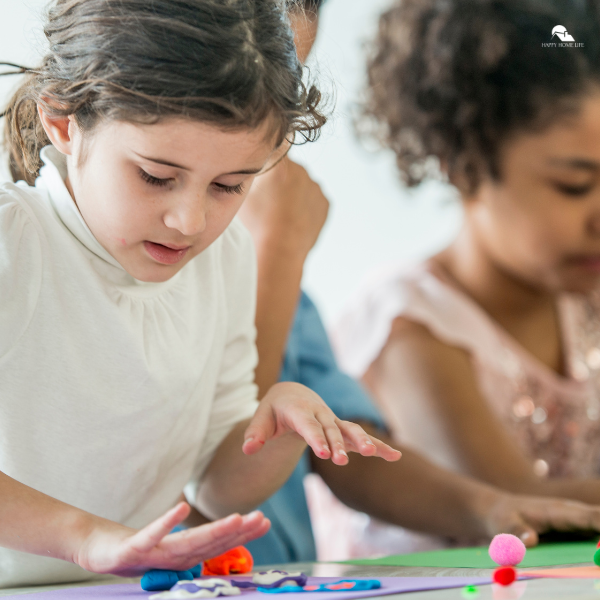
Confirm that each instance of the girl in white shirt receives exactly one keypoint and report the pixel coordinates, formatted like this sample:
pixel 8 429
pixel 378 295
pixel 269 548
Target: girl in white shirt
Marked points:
pixel 127 290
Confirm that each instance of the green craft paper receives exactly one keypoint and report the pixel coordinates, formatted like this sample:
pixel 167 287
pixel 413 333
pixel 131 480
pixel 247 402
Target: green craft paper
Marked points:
pixel 544 555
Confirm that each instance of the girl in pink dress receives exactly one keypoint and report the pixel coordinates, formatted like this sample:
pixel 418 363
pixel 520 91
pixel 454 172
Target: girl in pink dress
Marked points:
pixel 486 358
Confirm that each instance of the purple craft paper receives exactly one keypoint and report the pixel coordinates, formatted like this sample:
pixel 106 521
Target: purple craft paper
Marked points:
pixel 389 585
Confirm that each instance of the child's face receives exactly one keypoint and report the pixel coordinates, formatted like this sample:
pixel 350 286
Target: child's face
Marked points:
pixel 154 217
pixel 541 222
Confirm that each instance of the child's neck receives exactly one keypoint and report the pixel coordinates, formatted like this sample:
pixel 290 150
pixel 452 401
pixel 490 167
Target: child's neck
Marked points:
pixel 527 313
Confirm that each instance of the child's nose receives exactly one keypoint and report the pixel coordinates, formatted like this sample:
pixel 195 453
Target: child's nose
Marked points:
pixel 594 224
pixel 188 216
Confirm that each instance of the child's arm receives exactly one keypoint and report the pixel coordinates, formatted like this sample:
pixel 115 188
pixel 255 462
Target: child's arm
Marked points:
pixel 416 494
pixel 33 522
pixel 284 216
pixel 253 461
pixel 285 211
pixel 430 395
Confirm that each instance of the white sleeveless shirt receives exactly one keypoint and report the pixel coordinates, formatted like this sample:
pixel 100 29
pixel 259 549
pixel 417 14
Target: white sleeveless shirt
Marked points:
pixel 114 393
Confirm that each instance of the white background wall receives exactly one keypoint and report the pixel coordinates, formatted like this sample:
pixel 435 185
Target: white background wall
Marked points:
pixel 373 219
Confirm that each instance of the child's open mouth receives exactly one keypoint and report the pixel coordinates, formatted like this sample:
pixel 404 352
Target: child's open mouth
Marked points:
pixel 165 255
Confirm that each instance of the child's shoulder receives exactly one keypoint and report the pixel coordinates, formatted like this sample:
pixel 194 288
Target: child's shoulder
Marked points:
pixel 21 261
pixel 416 303
pixel 19 213
pixel 20 201
pixel 381 300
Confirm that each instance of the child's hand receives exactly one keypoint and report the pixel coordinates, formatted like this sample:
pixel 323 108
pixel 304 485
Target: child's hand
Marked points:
pixel 112 548
pixel 528 516
pixel 291 407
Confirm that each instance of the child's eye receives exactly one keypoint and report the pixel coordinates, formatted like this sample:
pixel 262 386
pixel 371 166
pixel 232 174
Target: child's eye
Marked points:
pixel 230 189
pixel 573 190
pixel 153 180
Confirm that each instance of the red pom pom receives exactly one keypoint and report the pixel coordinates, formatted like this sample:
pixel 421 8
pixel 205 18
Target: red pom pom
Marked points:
pixel 504 575
pixel 598 546
pixel 233 562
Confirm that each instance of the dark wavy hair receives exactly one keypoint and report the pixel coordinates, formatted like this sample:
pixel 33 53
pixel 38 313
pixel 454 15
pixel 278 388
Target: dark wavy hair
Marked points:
pixel 309 5
pixel 232 63
pixel 453 79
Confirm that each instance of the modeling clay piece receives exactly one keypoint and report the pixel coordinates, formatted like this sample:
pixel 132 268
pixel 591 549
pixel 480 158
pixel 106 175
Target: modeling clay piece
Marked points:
pixel 233 562
pixel 504 575
pixel 345 585
pixel 196 571
pixel 278 579
pixel 507 550
pixel 159 579
pixel 198 588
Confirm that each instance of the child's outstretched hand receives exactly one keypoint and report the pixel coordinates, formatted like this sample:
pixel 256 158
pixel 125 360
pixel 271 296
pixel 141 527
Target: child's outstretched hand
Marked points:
pixel 290 408
pixel 112 548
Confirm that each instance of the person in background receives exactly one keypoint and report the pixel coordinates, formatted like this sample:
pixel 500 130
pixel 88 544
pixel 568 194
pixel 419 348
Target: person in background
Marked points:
pixel 486 357
pixel 285 212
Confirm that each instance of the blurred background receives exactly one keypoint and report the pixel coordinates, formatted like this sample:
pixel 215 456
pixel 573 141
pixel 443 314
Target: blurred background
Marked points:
pixel 373 219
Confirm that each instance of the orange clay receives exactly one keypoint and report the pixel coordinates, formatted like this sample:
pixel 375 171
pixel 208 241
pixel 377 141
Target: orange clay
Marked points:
pixel 233 562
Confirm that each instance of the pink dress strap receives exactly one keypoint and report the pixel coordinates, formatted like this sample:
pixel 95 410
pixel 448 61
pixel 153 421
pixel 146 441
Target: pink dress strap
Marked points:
pixel 414 293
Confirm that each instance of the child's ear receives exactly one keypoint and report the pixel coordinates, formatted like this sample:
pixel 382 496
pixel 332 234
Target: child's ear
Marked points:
pixel 59 130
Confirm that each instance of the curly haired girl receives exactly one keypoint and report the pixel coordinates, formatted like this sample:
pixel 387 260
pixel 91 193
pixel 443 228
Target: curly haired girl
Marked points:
pixel 486 358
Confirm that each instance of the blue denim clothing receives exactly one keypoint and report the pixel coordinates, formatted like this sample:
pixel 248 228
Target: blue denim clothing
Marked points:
pixel 309 360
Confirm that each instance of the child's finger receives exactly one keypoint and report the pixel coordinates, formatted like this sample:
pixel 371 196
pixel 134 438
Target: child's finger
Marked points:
pixel 151 535
pixel 250 531
pixel 561 515
pixel 312 431
pixel 385 451
pixel 215 538
pixel 261 428
pixel 527 534
pixel 359 441
pixel 335 440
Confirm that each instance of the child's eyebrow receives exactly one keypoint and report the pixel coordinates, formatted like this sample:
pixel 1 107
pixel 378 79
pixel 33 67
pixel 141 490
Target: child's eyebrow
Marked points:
pixel 246 171
pixel 160 161
pixel 575 163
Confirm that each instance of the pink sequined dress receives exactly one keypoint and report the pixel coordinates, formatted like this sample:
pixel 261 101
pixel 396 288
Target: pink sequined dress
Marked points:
pixel 554 419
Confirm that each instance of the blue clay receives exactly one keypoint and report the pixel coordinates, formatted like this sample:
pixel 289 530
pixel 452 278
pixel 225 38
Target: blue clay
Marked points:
pixel 196 571
pixel 185 575
pixel 158 580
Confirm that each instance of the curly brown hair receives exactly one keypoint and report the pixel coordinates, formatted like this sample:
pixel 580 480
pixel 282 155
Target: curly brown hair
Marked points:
pixel 230 63
pixel 452 79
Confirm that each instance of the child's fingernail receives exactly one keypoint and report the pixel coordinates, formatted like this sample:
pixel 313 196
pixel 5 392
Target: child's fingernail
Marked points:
pixel 343 453
pixel 369 443
pixel 525 536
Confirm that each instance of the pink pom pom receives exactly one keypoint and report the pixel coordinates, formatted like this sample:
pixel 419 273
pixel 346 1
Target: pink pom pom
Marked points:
pixel 507 550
